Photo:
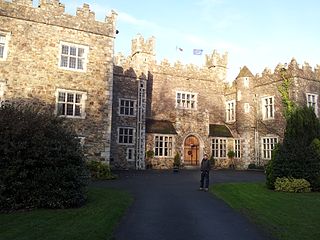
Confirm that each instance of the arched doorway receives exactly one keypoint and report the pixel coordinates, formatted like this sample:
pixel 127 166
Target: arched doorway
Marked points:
pixel 191 150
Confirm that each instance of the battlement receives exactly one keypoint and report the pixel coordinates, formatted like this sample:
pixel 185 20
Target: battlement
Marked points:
pixel 215 60
pixel 292 69
pixel 139 45
pixel 176 69
pixel 52 12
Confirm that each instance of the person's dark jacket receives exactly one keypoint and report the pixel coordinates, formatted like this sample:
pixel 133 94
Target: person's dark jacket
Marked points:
pixel 205 165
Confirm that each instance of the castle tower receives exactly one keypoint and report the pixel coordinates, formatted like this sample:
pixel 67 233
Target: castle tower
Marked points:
pixel 142 57
pixel 218 63
pixel 246 113
pixel 142 54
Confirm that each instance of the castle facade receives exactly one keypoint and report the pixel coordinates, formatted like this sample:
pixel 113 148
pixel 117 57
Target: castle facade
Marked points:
pixel 133 112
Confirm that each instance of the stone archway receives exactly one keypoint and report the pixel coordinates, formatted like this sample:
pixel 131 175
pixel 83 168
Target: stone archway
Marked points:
pixel 191 151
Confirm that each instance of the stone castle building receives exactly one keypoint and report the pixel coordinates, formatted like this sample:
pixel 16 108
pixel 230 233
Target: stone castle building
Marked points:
pixel 133 112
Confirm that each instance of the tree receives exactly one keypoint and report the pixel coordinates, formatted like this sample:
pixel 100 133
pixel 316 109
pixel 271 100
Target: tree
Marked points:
pixel 41 161
pixel 297 156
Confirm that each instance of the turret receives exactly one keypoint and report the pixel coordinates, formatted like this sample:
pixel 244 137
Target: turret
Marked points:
pixel 218 63
pixel 142 54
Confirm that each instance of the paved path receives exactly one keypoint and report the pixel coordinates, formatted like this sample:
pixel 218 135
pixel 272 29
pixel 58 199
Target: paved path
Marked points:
pixel 169 206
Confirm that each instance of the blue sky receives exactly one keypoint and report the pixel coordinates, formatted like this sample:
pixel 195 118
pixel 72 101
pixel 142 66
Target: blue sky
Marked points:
pixel 257 34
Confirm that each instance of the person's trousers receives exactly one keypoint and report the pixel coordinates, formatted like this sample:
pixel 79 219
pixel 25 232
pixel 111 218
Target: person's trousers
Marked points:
pixel 204 182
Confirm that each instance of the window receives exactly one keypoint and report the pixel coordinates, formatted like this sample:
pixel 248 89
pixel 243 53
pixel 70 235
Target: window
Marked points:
pixel 70 103
pixel 312 101
pixel 163 145
pixel 231 111
pixel 73 57
pixel 2 90
pixel 4 40
pixel 130 154
pixel 268 144
pixel 237 148
pixel 219 147
pixel 246 108
pixel 126 135
pixel 127 107
pixel 186 100
pixel 268 108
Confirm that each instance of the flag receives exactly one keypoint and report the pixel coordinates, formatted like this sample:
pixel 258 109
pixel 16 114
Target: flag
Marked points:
pixel 179 49
pixel 197 51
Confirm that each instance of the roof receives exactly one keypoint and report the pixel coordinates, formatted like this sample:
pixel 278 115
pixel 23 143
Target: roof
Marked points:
pixel 245 72
pixel 218 130
pixel 160 126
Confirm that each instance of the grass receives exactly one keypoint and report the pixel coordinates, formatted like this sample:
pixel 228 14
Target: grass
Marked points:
pixel 293 216
pixel 96 220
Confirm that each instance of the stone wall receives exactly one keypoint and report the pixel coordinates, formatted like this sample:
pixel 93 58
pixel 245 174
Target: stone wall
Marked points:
pixel 31 70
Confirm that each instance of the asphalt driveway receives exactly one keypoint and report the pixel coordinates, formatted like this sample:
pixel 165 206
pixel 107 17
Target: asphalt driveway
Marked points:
pixel 169 206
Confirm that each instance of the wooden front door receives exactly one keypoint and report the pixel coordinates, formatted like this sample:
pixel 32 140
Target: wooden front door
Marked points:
pixel 191 151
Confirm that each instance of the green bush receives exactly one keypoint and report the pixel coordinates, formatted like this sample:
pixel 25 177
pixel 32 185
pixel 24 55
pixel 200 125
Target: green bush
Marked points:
pixel 100 170
pixel 252 166
pixel 292 185
pixel 41 161
pixel 177 160
pixel 297 157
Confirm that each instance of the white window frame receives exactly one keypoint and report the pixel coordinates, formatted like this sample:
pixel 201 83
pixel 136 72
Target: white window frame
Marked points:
pixel 127 108
pixel 81 104
pixel 219 147
pixel 231 111
pixel 312 101
pixel 267 145
pixel 186 100
pixel 268 108
pixel 4 44
pixel 163 145
pixel 237 148
pixel 130 152
pixel 127 137
pixel 69 56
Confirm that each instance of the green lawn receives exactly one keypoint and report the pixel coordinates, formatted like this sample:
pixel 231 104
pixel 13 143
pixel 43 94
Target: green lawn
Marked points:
pixel 286 215
pixel 96 220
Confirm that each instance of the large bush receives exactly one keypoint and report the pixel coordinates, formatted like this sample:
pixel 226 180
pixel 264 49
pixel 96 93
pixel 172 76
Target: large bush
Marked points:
pixel 41 162
pixel 297 156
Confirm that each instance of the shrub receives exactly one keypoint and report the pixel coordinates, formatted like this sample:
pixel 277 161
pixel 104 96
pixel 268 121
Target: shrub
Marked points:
pixel 41 161
pixel 212 161
pixel 292 185
pixel 297 156
pixel 100 170
pixel 176 160
pixel 252 166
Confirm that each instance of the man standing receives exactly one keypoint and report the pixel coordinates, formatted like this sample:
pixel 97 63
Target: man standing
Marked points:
pixel 205 170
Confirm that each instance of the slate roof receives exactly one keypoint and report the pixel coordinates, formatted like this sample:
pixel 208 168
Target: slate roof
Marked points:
pixel 245 72
pixel 160 126
pixel 219 130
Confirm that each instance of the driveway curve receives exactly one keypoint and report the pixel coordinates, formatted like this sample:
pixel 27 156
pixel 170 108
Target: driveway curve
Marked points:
pixel 169 206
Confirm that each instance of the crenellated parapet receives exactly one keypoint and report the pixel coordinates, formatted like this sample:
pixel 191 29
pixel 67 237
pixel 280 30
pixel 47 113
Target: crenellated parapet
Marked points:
pixel 177 69
pixel 140 45
pixel 52 12
pixel 216 60
pixel 291 70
